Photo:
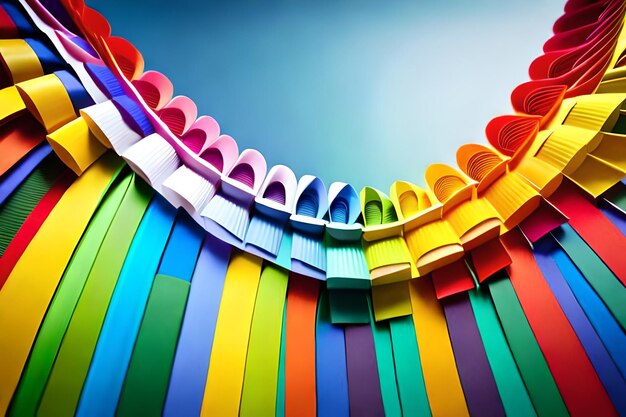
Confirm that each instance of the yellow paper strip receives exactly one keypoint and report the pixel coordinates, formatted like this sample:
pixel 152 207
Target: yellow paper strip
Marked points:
pixel 31 285
pixel 443 386
pixel 224 383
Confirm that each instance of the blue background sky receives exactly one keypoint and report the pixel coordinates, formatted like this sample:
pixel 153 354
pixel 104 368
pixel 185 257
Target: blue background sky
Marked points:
pixel 360 91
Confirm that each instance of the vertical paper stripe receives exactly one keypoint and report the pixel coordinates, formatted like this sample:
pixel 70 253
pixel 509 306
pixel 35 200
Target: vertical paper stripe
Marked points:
pixel 66 380
pixel 25 296
pixel 477 380
pixel 300 397
pixel 191 364
pixel 261 376
pixel 117 338
pixel 510 385
pixel 330 364
pixel 224 383
pixel 443 386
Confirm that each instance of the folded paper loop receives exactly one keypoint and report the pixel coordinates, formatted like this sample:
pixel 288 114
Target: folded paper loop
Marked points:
pixel 227 215
pixel 78 95
pixel 480 163
pixel 596 112
pixel 48 101
pixel 272 208
pixel 511 134
pixel 127 57
pixel 247 174
pixel 448 185
pixel 155 88
pixel 278 192
pixel 78 48
pixel 221 154
pixel 12 104
pixel 106 123
pixel 344 209
pixel 308 253
pixel 538 101
pixel 153 158
pixel 185 188
pixel 431 240
pixel 202 134
pixel 105 80
pixel 386 253
pixel 19 60
pixel 311 205
pixel 76 146
pixel 133 115
pixel 94 23
pixel 179 114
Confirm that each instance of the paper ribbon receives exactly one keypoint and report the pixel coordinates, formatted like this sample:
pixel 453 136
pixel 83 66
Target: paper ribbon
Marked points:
pixel 258 395
pixel 300 392
pixel 531 363
pixel 608 373
pixel 222 393
pixel 12 179
pixel 31 226
pixel 193 352
pixel 76 146
pixel 148 374
pixel 511 389
pixel 363 387
pixel 149 369
pixel 386 367
pixel 31 285
pixel 580 387
pixel 48 100
pixel 604 323
pixel 475 373
pixel 443 386
pixel 593 227
pixel 608 287
pixel 19 60
pixel 59 314
pixel 331 374
pixel 18 206
pixel 107 370
pixel 409 375
pixel 72 360
pixel 17 138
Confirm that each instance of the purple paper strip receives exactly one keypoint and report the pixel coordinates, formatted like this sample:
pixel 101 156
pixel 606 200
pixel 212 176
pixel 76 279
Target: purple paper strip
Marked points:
pixel 363 383
pixel 479 385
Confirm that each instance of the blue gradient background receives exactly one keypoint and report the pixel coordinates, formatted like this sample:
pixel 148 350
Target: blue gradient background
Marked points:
pixel 360 91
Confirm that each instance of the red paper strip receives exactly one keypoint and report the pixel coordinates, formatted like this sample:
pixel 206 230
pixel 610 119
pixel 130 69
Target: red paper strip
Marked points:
pixel 574 375
pixel 300 398
pixel 596 230
pixel 542 221
pixel 489 258
pixel 452 279
pixel 31 225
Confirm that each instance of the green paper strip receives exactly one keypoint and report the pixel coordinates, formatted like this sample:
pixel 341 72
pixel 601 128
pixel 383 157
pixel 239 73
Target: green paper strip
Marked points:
pixel 348 306
pixel 150 366
pixel 411 385
pixel 70 369
pixel 532 365
pixel 280 388
pixel 19 205
pixel 386 368
pixel 510 385
pixel 608 287
pixel 262 363
pixel 61 308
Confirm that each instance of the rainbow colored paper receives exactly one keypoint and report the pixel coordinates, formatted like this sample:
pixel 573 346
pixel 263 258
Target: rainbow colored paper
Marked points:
pixel 148 267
